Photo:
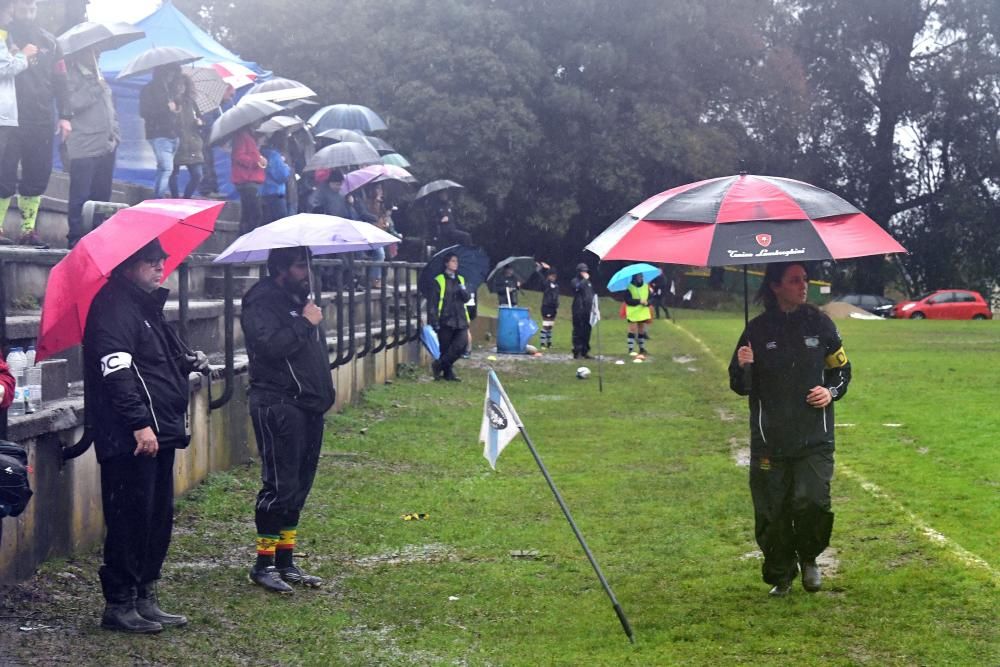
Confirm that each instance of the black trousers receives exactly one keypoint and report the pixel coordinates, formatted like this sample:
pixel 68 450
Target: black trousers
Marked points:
pixel 288 441
pixel 453 342
pixel 250 212
pixel 90 179
pixel 581 333
pixel 138 497
pixel 31 147
pixel 792 517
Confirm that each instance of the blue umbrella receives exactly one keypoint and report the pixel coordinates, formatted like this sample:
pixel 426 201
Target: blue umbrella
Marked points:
pixel 346 117
pixel 473 265
pixel 429 338
pixel 619 282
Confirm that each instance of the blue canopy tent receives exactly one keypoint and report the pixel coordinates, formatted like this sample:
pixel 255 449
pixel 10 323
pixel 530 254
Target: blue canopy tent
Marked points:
pixel 167 26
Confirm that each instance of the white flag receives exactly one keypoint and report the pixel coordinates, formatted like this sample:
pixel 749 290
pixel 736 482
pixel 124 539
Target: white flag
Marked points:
pixel 688 295
pixel 500 420
pixel 595 312
pixel 672 290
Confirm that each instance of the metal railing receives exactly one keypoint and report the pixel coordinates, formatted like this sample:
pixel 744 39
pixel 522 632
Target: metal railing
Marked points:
pixel 404 303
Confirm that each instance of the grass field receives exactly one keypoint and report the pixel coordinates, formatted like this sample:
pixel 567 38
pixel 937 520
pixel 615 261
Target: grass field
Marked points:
pixel 649 471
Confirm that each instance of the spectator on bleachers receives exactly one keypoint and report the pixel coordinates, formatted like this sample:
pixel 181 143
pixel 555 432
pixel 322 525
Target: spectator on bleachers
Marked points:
pixel 247 175
pixel 273 193
pixel 91 146
pixel 160 108
pixel 41 90
pixel 190 146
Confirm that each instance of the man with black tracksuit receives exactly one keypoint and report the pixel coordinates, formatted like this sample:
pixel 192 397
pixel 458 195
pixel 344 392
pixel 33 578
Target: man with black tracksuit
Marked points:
pixel 31 144
pixel 583 304
pixel 136 371
pixel 290 391
pixel 449 317
pixel 791 362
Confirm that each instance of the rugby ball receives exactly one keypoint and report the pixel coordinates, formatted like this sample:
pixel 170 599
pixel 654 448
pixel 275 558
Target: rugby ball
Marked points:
pixel 582 373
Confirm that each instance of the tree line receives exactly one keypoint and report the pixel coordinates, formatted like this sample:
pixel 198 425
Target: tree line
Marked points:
pixel 560 115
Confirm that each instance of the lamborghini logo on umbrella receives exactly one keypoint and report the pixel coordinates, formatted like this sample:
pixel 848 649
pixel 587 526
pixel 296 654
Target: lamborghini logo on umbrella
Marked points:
pixel 763 240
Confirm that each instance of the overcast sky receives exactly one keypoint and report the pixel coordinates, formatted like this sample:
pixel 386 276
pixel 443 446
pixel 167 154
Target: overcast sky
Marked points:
pixel 117 10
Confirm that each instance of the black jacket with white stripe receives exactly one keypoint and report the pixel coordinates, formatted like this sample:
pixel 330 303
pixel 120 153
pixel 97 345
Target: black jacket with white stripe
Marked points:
pixel 289 359
pixel 793 352
pixel 135 370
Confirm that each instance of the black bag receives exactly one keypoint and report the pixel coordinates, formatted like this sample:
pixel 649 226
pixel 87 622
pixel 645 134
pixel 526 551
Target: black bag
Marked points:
pixel 15 490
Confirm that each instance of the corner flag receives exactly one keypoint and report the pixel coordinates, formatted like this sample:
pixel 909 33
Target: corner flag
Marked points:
pixel 595 311
pixel 500 421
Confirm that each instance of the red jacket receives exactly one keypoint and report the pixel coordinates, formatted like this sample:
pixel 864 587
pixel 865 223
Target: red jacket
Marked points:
pixel 246 159
pixel 7 381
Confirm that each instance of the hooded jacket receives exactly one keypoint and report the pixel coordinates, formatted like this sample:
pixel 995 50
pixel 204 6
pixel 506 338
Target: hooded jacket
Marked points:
pixel 134 369
pixel 583 296
pixel 289 359
pixel 793 352
pixel 154 107
pixel 95 122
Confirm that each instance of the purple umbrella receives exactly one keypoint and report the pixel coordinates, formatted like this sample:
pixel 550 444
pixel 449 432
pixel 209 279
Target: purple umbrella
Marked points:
pixel 365 175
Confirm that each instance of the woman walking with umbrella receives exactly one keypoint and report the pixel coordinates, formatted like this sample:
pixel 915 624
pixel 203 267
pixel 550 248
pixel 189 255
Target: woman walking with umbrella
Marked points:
pixel 798 368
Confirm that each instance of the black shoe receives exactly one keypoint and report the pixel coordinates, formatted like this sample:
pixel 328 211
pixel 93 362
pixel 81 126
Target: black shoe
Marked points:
pixel 642 350
pixel 123 617
pixel 436 369
pixel 270 579
pixel 148 606
pixel 452 378
pixel 586 356
pixel 812 579
pixel 576 355
pixel 293 575
pixel 781 590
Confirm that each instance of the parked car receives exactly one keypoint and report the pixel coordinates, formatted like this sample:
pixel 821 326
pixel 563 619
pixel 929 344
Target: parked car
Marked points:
pixel 946 304
pixel 874 304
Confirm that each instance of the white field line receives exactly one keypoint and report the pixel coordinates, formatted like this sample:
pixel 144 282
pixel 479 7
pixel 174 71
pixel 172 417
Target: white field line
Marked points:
pixel 955 549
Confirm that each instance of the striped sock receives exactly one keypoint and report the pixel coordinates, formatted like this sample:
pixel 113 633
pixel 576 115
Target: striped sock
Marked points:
pixel 642 341
pixel 631 342
pixel 285 547
pixel 265 550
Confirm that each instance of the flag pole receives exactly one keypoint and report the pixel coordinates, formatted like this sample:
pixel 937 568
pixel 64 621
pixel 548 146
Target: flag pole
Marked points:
pixel 600 357
pixel 626 626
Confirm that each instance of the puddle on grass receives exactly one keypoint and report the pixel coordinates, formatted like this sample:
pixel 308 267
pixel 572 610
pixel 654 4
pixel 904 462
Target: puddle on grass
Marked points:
pixel 684 359
pixel 740 451
pixel 411 553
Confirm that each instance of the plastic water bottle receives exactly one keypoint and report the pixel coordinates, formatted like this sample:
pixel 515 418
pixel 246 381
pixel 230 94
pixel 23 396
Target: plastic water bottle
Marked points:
pixel 32 382
pixel 17 362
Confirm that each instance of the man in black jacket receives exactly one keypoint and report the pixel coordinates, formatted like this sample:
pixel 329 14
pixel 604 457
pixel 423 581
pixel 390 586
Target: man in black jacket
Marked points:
pixel 159 106
pixel 31 144
pixel 791 363
pixel 136 371
pixel 583 303
pixel 290 391
pixel 449 317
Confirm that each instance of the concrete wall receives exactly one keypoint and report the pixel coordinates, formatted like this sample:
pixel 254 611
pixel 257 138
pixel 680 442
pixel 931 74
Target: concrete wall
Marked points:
pixel 64 516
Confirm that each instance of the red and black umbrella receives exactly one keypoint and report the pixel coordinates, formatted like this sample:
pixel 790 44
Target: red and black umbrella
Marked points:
pixel 743 219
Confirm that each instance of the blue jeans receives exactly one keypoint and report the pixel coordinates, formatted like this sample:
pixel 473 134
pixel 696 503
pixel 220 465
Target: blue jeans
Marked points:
pixel 164 149
pixel 375 272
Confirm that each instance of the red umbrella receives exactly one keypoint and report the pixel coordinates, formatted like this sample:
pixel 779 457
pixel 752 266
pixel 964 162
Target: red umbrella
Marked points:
pixel 181 225
pixel 743 219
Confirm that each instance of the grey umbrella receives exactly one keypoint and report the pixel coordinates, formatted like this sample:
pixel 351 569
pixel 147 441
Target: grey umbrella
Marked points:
pixel 240 116
pixel 278 90
pixel 434 186
pixel 100 36
pixel 381 145
pixel 346 153
pixel 280 123
pixel 344 135
pixel 155 57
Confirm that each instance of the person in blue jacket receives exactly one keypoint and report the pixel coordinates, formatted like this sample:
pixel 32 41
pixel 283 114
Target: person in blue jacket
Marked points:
pixel 276 175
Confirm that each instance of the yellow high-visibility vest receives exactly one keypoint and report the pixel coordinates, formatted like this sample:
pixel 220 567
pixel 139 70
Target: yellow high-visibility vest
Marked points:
pixel 638 313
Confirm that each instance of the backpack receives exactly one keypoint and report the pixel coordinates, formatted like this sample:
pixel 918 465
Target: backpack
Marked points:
pixel 15 490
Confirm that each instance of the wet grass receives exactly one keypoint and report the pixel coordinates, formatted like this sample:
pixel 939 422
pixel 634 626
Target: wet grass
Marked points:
pixel 647 469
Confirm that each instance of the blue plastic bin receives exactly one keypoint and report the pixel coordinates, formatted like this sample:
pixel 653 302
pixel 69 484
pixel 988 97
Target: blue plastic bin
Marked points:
pixel 510 336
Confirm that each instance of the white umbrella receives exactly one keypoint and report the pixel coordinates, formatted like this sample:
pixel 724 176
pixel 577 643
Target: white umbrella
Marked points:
pixel 323 234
